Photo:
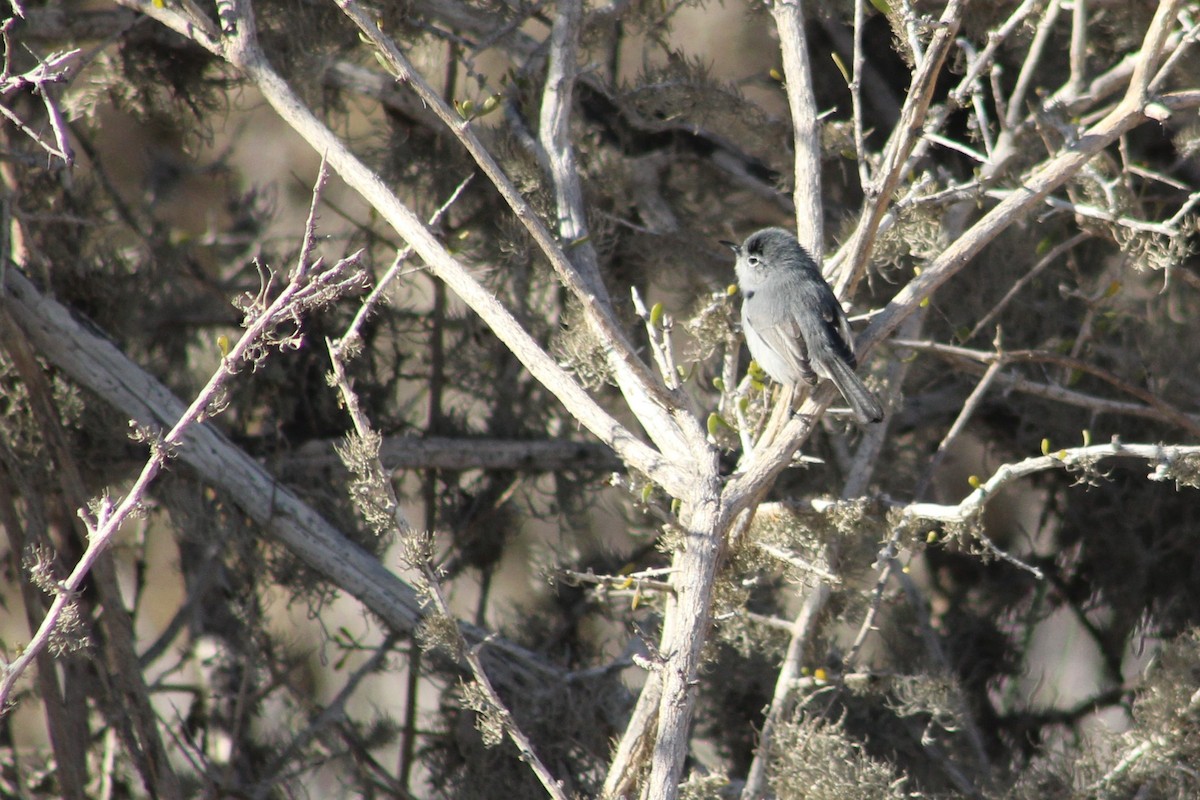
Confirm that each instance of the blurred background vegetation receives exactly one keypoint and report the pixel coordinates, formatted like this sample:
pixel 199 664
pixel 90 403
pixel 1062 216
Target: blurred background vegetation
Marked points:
pixel 259 678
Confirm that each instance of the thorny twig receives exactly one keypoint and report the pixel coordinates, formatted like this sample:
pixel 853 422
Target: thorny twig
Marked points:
pixel 393 271
pixel 470 653
pixel 308 287
pixel 39 80
pixel 338 355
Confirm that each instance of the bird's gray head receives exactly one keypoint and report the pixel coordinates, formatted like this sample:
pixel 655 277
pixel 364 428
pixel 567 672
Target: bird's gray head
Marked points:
pixel 765 253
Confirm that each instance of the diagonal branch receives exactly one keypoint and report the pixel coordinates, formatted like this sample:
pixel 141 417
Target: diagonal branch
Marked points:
pixel 1033 189
pixel 94 363
pixel 851 259
pixel 433 586
pixel 646 395
pixel 1165 410
pixel 555 140
pixel 306 288
pixel 242 50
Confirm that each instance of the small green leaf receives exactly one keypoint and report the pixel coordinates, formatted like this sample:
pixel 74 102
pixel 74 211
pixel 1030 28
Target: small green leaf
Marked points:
pixel 1045 447
pixel 656 314
pixel 974 481
pixel 714 423
pixel 490 104
pixel 837 62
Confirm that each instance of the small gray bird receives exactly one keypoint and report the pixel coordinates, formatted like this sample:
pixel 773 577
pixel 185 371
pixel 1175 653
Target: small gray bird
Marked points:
pixel 795 327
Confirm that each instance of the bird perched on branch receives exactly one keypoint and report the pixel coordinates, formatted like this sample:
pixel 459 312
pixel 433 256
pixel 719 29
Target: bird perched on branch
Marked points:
pixel 795 327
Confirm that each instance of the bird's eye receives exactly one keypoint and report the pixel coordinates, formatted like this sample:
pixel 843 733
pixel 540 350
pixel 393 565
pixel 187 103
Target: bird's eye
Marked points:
pixel 753 261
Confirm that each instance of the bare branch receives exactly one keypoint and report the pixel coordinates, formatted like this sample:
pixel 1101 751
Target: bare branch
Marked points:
pixel 806 132
pixel 554 133
pixel 1035 186
pixel 1168 463
pixel 672 431
pixel 1164 410
pixel 39 80
pixel 851 259
pixel 803 628
pixel 434 590
pixel 242 50
pixel 1026 279
pixel 1154 44
pixel 106 519
pixel 394 270
pixel 466 453
pixel 1016 101
pixel 94 362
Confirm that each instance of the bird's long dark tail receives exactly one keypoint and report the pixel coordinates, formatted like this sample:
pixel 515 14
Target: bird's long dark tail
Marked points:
pixel 864 404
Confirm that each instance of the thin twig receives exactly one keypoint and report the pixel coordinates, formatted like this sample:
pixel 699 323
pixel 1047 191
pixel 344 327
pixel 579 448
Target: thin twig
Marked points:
pixel 376 295
pixel 1026 279
pixel 243 51
pixel 38 80
pixel 649 398
pixel 1016 101
pixel 856 111
pixel 1092 212
pixel 106 518
pixel 1127 761
pixel 802 630
pixel 1162 458
pixel 432 580
pixel 960 423
pixel 978 101
pixel 1079 21
pixel 333 712
pixel 793 560
pixel 658 334
pixel 469 652
pixel 1165 410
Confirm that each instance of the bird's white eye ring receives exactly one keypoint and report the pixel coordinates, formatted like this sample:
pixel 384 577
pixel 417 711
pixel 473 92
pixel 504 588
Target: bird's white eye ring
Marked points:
pixel 753 261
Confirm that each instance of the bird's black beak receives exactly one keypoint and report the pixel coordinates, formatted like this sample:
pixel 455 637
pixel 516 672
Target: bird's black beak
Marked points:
pixel 734 246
